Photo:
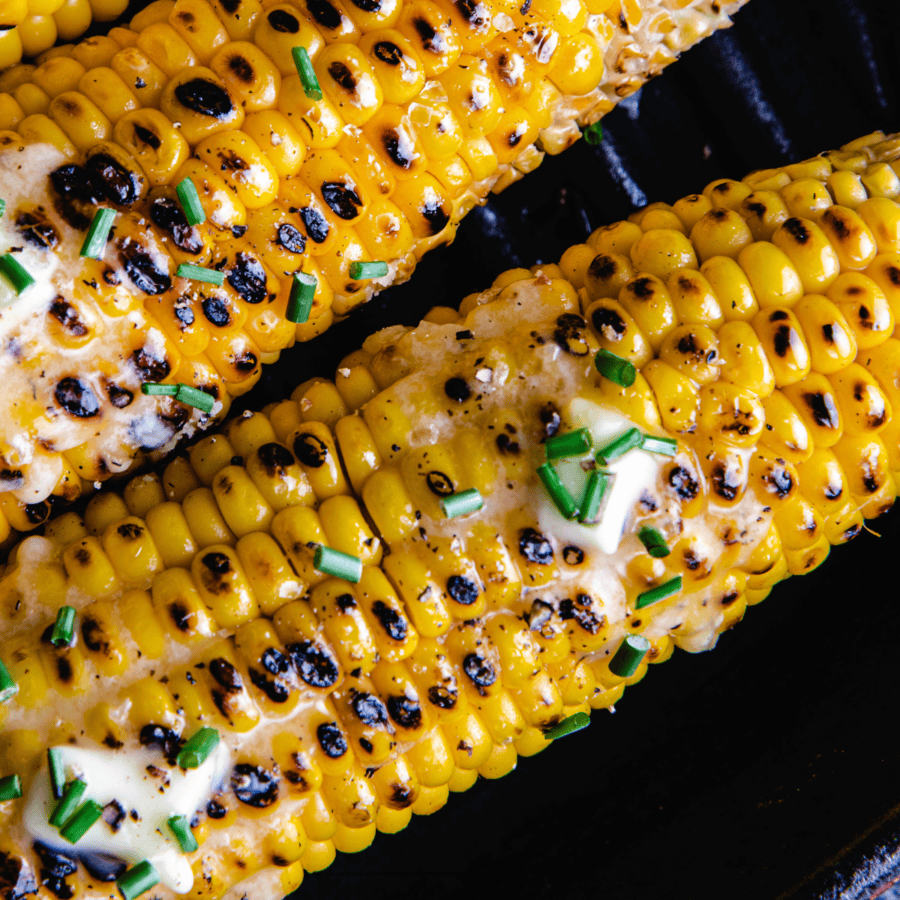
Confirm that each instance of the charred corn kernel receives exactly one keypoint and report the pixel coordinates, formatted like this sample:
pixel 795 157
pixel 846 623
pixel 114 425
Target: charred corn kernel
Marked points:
pixel 831 341
pixel 865 308
pixel 785 344
pixel 853 242
pixel 811 252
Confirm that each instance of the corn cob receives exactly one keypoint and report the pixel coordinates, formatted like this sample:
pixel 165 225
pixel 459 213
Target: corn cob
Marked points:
pixel 758 318
pixel 420 120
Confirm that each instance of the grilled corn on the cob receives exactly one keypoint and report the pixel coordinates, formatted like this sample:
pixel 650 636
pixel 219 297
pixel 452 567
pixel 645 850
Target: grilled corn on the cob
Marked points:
pixel 306 583
pixel 426 108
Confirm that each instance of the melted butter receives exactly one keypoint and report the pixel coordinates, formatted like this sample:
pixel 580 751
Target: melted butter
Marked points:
pixel 635 473
pixel 149 795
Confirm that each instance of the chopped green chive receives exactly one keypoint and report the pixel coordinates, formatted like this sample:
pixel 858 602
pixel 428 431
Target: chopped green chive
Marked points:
pixel 662 445
pixel 593 134
pixel 596 492
pixel 192 396
pixel 573 443
pixel 154 389
pixel 561 498
pixel 190 202
pixel 361 271
pixel 137 880
pixel 15 273
pixel 628 657
pixel 307 74
pixel 10 788
pixel 654 542
pixel 619 447
pixel 462 503
pixel 340 565
pixel 63 810
pixel 79 824
pixel 648 598
pixel 198 273
pixel 196 751
pixel 8 688
pixel 57 771
pixel 180 829
pixel 98 234
pixel 618 370
pixel 569 725
pixel 300 302
pixel 64 628
pixel 2 208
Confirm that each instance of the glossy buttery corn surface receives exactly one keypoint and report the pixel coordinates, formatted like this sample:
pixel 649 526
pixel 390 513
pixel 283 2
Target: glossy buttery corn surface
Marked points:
pixel 427 107
pixel 760 316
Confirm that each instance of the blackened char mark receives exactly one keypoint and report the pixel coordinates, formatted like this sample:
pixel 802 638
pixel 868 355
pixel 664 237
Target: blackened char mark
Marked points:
pixel 314 665
pixel 342 199
pixel 275 458
pixel 581 610
pixel 254 785
pixel 434 213
pixel 369 709
pixel 480 672
pixel 388 52
pixel 535 547
pixel 391 621
pixel 76 398
pixel 442 696
pixel 569 334
pixel 462 590
pixel 683 483
pixel 248 278
pixel 331 740
pixel 163 739
pixel 457 389
pixel 167 214
pixel 37 229
pixel 316 224
pixel 405 712
pixel 312 451
pixel 120 185
pixel 823 409
pixel 324 13
pixel 283 21
pixel 291 238
pixel 204 97
pixel 145 274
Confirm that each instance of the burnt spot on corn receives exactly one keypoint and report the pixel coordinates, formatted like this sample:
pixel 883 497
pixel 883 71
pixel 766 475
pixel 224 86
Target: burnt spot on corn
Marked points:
pixel 314 664
pixel 76 398
pixel 181 616
pixel 431 40
pixel 130 531
pixel 312 451
pixel 535 547
pixel 215 572
pixel 37 229
pixel 573 556
pixel 343 76
pixel 851 532
pixel 474 13
pixel 443 696
pixel 828 333
pixel 462 590
pixel 480 672
pixel 54 868
pixel 580 609
pixel 11 479
pixel 778 479
pixel 602 267
pixel 609 324
pixel 113 815
pixel 405 712
pixel 158 737
pixel 345 602
pixel 439 484
pixel 391 621
pixel 282 21
pixel 683 482
pixel 369 709
pixel 369 6
pixel 457 389
pixel 226 675
pixel 121 186
pixel 402 796
pixel 726 481
pixel 397 149
pixel 275 458
pixel 290 238
pixel 241 68
pixel 167 214
pixel 276 663
pixel 216 311
pixel 797 230
pixel 37 513
pixel 783 340
pixel 823 409
pixel 75 183
pixel 16 879
pixel 94 636
pixel 150 366
pixel 205 97
pixel 569 334
pixel 216 810
pixel 145 272
pixel 248 278
pixel 342 199
pixel 145 136
pixel 254 785
pixel 871 477
pixel 778 315
pixel 837 224
pixel 324 13
pixel 245 361
pixel 388 53
pixel 317 228
pixel 67 316
pixel 550 419
pixel 435 214
pixel 331 740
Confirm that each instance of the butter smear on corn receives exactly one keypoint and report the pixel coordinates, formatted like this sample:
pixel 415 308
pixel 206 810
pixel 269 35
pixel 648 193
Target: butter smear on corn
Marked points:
pixel 147 795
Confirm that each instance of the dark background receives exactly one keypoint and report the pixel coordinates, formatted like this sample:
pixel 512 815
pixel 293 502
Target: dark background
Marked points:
pixel 766 769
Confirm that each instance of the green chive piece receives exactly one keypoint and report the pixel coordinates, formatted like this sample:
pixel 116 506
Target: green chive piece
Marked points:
pixel 619 447
pixel 191 396
pixel 10 788
pixel 596 492
pixel 190 202
pixel 79 824
pixel 15 273
pixel 629 655
pixel 593 134
pixel 57 771
pixel 568 726
pixel 307 74
pixel 64 628
pixel 198 273
pixel 561 498
pixel 155 389
pixel 8 688
pixel 196 751
pixel 361 271
pixel 137 880
pixel 300 302
pixel 2 208
pixel 180 829
pixel 462 503
pixel 572 443
pixel 64 810
pixel 94 244
pixel 654 595
pixel 654 542
pixel 618 370
pixel 662 445
pixel 340 565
